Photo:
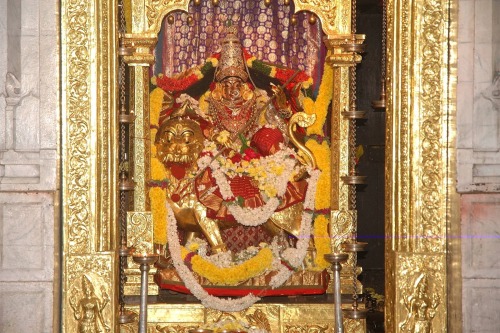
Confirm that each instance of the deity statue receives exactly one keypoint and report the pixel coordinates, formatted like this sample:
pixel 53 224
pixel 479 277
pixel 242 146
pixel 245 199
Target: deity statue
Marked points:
pixel 231 154
pixel 421 307
pixel 89 309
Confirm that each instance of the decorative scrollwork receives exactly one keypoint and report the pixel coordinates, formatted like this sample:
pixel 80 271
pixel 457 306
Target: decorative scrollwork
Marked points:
pixel 259 319
pixel 431 221
pixel 325 10
pixel 77 166
pixel 157 9
pixel 312 328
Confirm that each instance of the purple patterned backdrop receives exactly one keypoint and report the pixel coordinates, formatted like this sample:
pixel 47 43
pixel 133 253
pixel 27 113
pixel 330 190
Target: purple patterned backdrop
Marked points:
pixel 266 32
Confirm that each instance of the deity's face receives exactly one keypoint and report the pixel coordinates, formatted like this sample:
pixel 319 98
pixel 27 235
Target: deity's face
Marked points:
pixel 179 141
pixel 232 88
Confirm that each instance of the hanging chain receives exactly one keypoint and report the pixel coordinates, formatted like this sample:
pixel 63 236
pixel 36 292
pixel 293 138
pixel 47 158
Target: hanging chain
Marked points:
pixel 122 161
pixel 352 156
pixel 384 38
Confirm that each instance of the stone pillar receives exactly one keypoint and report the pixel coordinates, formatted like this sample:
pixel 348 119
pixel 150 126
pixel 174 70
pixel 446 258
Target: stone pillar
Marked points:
pixel 478 169
pixel 29 85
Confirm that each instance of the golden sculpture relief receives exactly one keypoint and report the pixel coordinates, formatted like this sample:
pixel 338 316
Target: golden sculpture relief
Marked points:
pixel 259 319
pixel 175 328
pixel 88 306
pixel 89 296
pixel 421 292
pixel 421 306
pixel 326 11
pixel 355 326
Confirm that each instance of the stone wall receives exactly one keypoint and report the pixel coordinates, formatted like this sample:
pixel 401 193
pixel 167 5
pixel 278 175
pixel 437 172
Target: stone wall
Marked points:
pixel 478 149
pixel 29 133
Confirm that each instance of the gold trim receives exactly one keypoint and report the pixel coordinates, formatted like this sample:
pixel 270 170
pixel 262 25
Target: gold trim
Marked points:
pixel 275 317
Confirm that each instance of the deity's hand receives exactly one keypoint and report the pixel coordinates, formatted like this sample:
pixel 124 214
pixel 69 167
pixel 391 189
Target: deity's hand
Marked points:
pixel 280 102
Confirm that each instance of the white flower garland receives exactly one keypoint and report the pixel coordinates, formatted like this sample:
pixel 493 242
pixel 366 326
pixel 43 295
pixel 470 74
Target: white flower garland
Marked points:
pixel 209 301
pixel 294 258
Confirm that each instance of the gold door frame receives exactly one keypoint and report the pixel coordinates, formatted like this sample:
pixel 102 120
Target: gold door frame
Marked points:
pixel 420 145
pixel 422 214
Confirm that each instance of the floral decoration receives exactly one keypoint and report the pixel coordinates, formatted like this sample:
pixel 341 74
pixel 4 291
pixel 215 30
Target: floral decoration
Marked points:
pixel 320 106
pixel 235 274
pixel 322 154
pixel 321 242
pixel 157 195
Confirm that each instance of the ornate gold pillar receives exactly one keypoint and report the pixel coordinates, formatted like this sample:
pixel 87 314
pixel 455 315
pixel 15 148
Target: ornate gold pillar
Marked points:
pixel 89 168
pixel 419 166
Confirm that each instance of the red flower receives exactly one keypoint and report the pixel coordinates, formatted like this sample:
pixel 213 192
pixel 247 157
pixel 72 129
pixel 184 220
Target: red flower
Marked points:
pixel 176 85
pixel 236 158
pixel 250 154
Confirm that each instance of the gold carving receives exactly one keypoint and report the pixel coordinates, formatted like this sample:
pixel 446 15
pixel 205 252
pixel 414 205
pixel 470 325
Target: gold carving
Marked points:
pixel 91 280
pixel 275 318
pixel 341 227
pixel 421 307
pixel 431 222
pixel 306 328
pixel 344 59
pixel 88 309
pixel 141 139
pixel 157 9
pixel 417 168
pixel 325 10
pixel 77 160
pixel 139 236
pixel 175 328
pixel 259 319
pixel 355 326
pixel 421 281
pixel 140 231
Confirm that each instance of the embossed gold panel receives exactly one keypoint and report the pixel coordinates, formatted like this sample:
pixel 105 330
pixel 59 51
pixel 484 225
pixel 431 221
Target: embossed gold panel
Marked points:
pixel 420 190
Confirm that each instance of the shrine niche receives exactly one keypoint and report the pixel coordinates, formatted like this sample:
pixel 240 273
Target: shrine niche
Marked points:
pixel 232 153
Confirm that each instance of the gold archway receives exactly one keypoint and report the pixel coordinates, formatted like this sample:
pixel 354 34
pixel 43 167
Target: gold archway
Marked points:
pixel 419 165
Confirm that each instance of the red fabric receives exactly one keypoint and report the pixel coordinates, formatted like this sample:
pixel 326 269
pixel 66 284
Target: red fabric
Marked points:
pixel 242 187
pixel 241 291
pixel 267 140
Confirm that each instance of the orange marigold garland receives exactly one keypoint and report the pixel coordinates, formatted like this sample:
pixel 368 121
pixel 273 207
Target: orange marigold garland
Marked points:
pixel 322 154
pixel 321 242
pixel 159 213
pixel 157 195
pixel 320 106
pixel 233 275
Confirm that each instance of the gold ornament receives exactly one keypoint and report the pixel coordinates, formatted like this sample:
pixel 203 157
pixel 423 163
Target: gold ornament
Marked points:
pixel 312 19
pixel 231 61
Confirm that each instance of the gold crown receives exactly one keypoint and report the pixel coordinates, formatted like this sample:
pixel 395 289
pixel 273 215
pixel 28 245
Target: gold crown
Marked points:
pixel 231 61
